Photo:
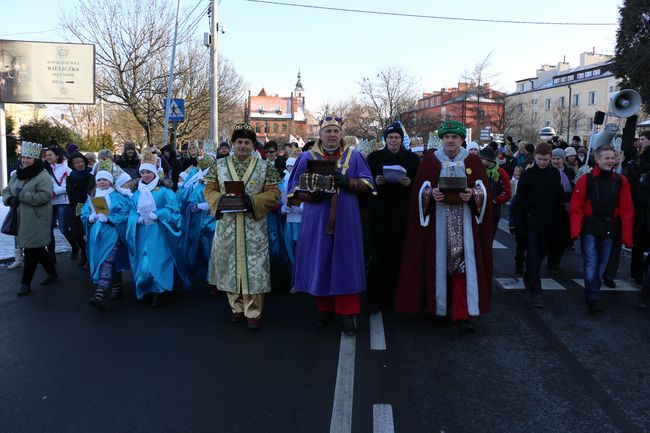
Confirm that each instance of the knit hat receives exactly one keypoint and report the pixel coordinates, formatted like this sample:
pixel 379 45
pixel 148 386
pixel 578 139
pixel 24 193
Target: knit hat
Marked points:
pixel 244 130
pixel 394 128
pixel 488 154
pixel 224 144
pixel 71 148
pixel 105 153
pixel 570 151
pixel 558 153
pixel 452 127
pixel 473 145
pixel 103 174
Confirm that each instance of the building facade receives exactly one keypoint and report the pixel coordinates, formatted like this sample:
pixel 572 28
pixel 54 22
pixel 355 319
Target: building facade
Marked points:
pixel 476 106
pixel 278 117
pixel 562 97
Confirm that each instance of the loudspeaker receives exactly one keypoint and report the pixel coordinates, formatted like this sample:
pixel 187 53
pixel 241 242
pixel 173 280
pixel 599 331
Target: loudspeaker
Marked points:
pixel 625 103
pixel 604 137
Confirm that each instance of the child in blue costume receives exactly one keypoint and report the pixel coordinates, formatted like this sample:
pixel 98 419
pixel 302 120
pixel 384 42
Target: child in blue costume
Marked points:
pixel 105 232
pixel 153 236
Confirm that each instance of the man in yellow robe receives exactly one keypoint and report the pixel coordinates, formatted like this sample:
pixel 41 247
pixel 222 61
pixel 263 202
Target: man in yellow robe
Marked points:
pixel 239 262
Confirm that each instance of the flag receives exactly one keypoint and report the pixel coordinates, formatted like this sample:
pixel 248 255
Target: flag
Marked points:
pixel 407 139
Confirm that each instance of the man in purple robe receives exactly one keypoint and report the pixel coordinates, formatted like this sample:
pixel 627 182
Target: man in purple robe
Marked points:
pixel 329 253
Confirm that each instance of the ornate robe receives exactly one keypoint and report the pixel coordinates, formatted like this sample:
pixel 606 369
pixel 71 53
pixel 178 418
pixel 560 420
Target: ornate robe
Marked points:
pixel 239 260
pixel 331 264
pixel 458 240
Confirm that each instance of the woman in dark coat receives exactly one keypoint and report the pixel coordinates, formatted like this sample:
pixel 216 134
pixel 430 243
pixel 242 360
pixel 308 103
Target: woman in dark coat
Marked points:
pixel 175 166
pixel 78 186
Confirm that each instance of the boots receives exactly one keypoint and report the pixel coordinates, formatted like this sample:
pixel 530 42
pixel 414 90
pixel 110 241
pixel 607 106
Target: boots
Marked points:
pixel 25 289
pixel 18 259
pixel 97 300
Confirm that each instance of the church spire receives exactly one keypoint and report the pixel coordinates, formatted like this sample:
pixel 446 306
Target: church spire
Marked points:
pixel 299 87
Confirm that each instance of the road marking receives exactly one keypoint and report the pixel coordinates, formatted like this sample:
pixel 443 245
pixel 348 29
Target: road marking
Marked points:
pixel 621 286
pixel 344 390
pixel 382 418
pixel 496 245
pixel 518 284
pixel 377 336
pixel 503 225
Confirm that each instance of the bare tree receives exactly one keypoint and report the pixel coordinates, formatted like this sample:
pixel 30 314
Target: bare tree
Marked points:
pixel 392 93
pixel 519 120
pixel 357 117
pixel 133 45
pixel 477 79
pixel 565 119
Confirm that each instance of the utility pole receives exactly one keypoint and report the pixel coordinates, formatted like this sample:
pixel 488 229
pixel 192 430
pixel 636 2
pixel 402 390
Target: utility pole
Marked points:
pixel 3 146
pixel 214 74
pixel 171 77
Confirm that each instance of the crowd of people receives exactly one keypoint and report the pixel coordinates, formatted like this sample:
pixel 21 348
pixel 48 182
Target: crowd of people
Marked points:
pixel 414 228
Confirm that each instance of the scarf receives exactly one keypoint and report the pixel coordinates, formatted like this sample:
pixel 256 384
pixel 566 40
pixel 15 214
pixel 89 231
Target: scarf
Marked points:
pixel 106 193
pixel 146 203
pixel 566 183
pixel 452 167
pixel 200 174
pixel 25 173
pixel 493 173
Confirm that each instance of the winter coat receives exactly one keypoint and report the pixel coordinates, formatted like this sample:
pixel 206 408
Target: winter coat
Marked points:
pixel 35 208
pixel 59 176
pixel 539 202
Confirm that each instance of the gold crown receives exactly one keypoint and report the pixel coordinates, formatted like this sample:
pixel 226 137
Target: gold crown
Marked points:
pixel 350 140
pixel 331 121
pixel 294 152
pixel 148 157
pixel 244 126
pixel 194 144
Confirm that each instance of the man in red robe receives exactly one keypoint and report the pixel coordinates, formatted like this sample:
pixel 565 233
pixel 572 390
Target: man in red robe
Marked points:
pixel 447 260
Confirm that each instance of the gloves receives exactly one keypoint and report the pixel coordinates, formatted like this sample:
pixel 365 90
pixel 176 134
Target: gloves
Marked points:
pixel 203 206
pixel 195 208
pixel 153 216
pixel 341 180
pixel 102 218
pixel 140 219
pixel 285 210
pixel 13 201
pixel 92 218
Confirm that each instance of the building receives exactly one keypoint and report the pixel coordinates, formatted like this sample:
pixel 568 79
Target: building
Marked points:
pixel 278 117
pixel 24 113
pixel 476 106
pixel 562 97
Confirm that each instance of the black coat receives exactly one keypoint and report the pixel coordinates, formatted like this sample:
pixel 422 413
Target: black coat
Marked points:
pixel 539 201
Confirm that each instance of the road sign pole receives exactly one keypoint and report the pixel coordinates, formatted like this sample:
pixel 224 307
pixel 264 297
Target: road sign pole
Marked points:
pixel 3 146
pixel 214 75
pixel 171 77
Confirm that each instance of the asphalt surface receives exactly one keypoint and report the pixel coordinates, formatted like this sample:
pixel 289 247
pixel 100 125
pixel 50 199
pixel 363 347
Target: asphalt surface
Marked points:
pixel 65 367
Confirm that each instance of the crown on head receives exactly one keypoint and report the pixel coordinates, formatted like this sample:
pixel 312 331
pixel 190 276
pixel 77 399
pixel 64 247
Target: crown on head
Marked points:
pixel 365 147
pixel 331 121
pixel 244 126
pixel 208 147
pixel 194 144
pixel 105 165
pixel 148 157
pixel 30 150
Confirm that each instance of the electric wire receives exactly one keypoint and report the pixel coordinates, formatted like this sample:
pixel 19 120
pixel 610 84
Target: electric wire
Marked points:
pixel 432 17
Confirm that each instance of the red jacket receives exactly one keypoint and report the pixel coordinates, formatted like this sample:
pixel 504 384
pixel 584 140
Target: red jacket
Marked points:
pixel 506 190
pixel 580 207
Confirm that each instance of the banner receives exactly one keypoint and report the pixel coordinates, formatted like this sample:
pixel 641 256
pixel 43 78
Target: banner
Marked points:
pixel 47 73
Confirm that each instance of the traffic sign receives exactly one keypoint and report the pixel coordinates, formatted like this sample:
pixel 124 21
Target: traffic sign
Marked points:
pixel 176 110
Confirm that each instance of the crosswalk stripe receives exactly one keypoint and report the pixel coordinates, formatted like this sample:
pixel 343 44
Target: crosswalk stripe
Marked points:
pixel 503 225
pixel 382 418
pixel 518 284
pixel 496 245
pixel 377 336
pixel 621 286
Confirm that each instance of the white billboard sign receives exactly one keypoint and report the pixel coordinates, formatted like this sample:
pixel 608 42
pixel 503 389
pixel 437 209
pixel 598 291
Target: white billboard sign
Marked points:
pixel 47 72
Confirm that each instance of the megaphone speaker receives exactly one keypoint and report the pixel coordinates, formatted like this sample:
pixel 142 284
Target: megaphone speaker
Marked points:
pixel 625 103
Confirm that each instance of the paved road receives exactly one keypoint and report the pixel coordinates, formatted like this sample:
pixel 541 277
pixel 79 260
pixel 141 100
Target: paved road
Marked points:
pixel 184 368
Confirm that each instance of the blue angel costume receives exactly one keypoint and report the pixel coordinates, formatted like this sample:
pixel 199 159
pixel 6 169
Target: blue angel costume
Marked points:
pixel 153 235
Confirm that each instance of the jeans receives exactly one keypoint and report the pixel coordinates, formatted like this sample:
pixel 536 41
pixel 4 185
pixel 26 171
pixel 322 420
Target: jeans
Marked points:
pixel 595 255
pixel 61 214
pixel 536 249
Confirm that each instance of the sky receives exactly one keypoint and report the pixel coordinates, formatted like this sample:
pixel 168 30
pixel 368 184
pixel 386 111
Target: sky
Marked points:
pixel 267 44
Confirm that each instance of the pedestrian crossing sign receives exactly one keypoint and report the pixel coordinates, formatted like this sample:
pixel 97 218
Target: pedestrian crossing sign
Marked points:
pixel 176 110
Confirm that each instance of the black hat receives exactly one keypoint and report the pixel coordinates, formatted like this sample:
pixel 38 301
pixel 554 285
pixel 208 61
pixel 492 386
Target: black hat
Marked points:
pixel 487 153
pixel 243 130
pixel 394 128
pixel 224 144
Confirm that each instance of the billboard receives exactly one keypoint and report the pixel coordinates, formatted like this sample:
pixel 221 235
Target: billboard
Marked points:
pixel 47 72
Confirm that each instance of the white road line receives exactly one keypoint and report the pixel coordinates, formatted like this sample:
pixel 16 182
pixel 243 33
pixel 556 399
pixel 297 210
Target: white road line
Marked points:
pixel 496 245
pixel 518 284
pixel 382 418
pixel 621 286
pixel 343 392
pixel 377 336
pixel 503 225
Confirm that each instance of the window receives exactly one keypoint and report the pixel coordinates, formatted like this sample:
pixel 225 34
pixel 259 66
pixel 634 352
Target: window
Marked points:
pixel 592 98
pixel 569 78
pixel 576 100
pixel 575 124
pixel 257 127
pixel 563 80
pixel 556 81
pixel 596 72
pixel 587 74
pixel 561 101
pixel 581 75
pixel 612 89
pixel 547 104
pixel 590 120
pixel 284 127
pixel 275 127
pixel 533 101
